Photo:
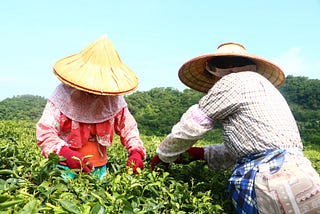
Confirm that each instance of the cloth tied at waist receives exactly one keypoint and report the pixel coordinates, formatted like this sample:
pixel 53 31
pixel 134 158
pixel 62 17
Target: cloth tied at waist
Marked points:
pixel 241 182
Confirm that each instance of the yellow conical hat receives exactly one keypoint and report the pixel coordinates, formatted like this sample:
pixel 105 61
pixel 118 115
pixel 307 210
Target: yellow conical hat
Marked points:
pixel 97 69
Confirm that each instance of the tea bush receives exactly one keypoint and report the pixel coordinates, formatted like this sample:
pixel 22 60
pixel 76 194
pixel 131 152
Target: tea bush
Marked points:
pixel 30 183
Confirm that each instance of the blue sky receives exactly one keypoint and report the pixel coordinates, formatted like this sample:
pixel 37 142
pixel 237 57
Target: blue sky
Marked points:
pixel 153 37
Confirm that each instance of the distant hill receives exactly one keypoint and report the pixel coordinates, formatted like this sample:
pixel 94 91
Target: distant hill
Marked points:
pixel 303 96
pixel 158 109
pixel 22 107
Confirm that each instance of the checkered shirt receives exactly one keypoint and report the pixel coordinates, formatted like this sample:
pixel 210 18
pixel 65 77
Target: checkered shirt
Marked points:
pixel 254 115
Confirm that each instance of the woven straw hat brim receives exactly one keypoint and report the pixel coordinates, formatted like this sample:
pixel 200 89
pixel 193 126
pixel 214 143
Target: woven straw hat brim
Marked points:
pixel 194 74
pixel 97 69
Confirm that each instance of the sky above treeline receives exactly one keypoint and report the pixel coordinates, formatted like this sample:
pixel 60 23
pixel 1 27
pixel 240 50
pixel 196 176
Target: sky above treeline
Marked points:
pixel 154 38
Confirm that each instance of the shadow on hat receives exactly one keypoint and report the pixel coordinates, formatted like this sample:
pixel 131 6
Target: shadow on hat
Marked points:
pixel 199 73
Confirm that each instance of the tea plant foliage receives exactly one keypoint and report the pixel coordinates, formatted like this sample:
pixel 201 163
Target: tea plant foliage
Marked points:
pixel 30 183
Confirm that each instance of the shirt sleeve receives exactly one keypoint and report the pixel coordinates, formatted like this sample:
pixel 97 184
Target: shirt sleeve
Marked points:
pixel 218 157
pixel 191 127
pixel 127 128
pixel 47 129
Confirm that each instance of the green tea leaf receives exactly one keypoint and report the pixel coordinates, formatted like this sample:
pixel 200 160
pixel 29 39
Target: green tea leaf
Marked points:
pixel 7 204
pixel 29 208
pixel 98 209
pixel 69 206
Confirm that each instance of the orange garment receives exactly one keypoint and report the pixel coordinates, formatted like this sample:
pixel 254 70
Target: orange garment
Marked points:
pixel 55 130
pixel 94 149
pixel 97 151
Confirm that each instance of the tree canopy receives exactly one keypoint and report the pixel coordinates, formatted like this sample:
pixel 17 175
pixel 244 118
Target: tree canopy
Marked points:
pixel 158 109
pixel 22 107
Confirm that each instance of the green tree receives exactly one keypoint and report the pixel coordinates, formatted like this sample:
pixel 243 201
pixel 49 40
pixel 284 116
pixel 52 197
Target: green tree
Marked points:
pixel 22 107
pixel 158 109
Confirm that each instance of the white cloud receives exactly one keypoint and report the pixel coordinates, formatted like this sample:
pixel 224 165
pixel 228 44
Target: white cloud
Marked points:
pixel 7 78
pixel 294 62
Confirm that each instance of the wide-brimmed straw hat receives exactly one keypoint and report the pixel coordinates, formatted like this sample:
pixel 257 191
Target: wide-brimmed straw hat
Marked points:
pixel 97 69
pixel 194 74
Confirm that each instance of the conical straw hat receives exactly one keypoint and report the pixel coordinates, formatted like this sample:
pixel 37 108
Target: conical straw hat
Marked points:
pixel 97 69
pixel 193 73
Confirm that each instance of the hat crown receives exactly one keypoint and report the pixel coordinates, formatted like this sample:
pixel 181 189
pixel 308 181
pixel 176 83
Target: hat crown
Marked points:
pixel 195 75
pixel 97 69
pixel 231 48
pixel 102 53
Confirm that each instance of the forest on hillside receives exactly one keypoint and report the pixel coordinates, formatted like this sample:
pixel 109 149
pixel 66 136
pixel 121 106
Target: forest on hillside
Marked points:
pixel 30 183
pixel 158 109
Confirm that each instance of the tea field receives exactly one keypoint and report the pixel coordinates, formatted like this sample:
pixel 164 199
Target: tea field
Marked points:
pixel 30 183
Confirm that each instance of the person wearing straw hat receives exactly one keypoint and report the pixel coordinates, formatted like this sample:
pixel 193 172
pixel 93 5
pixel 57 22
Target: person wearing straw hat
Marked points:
pixel 84 111
pixel 260 136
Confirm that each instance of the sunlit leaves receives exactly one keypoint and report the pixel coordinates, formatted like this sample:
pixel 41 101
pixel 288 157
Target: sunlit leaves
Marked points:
pixel 29 183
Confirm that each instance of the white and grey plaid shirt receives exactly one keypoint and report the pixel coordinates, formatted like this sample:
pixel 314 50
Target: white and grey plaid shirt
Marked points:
pixel 254 115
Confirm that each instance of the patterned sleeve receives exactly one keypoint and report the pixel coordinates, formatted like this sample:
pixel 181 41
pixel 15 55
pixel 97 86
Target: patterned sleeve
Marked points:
pixel 191 127
pixel 47 130
pixel 223 99
pixel 218 157
pixel 126 127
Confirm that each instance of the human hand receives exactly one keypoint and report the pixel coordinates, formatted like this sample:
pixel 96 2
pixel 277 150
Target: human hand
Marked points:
pixel 75 160
pixel 156 161
pixel 192 154
pixel 135 161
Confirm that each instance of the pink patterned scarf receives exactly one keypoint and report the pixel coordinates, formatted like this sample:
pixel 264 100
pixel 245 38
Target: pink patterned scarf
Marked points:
pixel 85 107
pixel 83 112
